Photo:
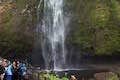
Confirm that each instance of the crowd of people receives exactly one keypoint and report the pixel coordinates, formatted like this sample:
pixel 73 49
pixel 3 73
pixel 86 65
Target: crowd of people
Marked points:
pixel 15 70
pixel 12 71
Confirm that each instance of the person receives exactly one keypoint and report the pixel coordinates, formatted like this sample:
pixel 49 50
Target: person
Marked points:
pixel 8 71
pixel 16 70
pixel 23 70
pixel 73 77
pixel 2 69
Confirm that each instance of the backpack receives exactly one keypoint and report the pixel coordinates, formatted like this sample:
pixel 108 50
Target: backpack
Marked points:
pixel 2 69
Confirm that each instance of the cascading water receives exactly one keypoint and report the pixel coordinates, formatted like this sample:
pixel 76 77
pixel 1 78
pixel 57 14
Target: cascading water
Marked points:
pixel 53 34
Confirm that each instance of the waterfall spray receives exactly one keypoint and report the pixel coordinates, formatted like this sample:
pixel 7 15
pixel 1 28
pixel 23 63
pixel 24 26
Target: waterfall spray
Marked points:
pixel 53 34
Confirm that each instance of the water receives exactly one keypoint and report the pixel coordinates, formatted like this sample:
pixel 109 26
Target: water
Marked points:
pixel 53 35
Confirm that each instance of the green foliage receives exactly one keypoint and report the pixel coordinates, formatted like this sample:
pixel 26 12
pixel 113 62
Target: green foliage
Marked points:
pixel 17 29
pixel 82 36
pixel 95 28
pixel 100 15
pixel 113 77
pixel 50 76
pixel 115 9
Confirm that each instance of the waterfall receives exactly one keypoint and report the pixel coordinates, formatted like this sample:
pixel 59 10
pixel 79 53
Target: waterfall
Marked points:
pixel 53 34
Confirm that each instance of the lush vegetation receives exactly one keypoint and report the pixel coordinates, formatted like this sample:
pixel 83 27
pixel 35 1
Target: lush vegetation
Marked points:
pixel 94 26
pixel 17 26
pixel 49 76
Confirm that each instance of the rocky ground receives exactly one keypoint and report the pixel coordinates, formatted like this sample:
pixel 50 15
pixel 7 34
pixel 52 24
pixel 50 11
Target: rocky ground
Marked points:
pixel 96 72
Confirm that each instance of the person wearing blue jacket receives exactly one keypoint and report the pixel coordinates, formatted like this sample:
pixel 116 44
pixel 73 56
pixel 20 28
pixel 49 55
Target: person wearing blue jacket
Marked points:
pixel 8 71
pixel 23 69
pixel 18 70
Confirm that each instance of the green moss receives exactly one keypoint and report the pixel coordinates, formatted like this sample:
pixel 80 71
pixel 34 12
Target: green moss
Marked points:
pixel 115 8
pixel 100 15
pixel 96 27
